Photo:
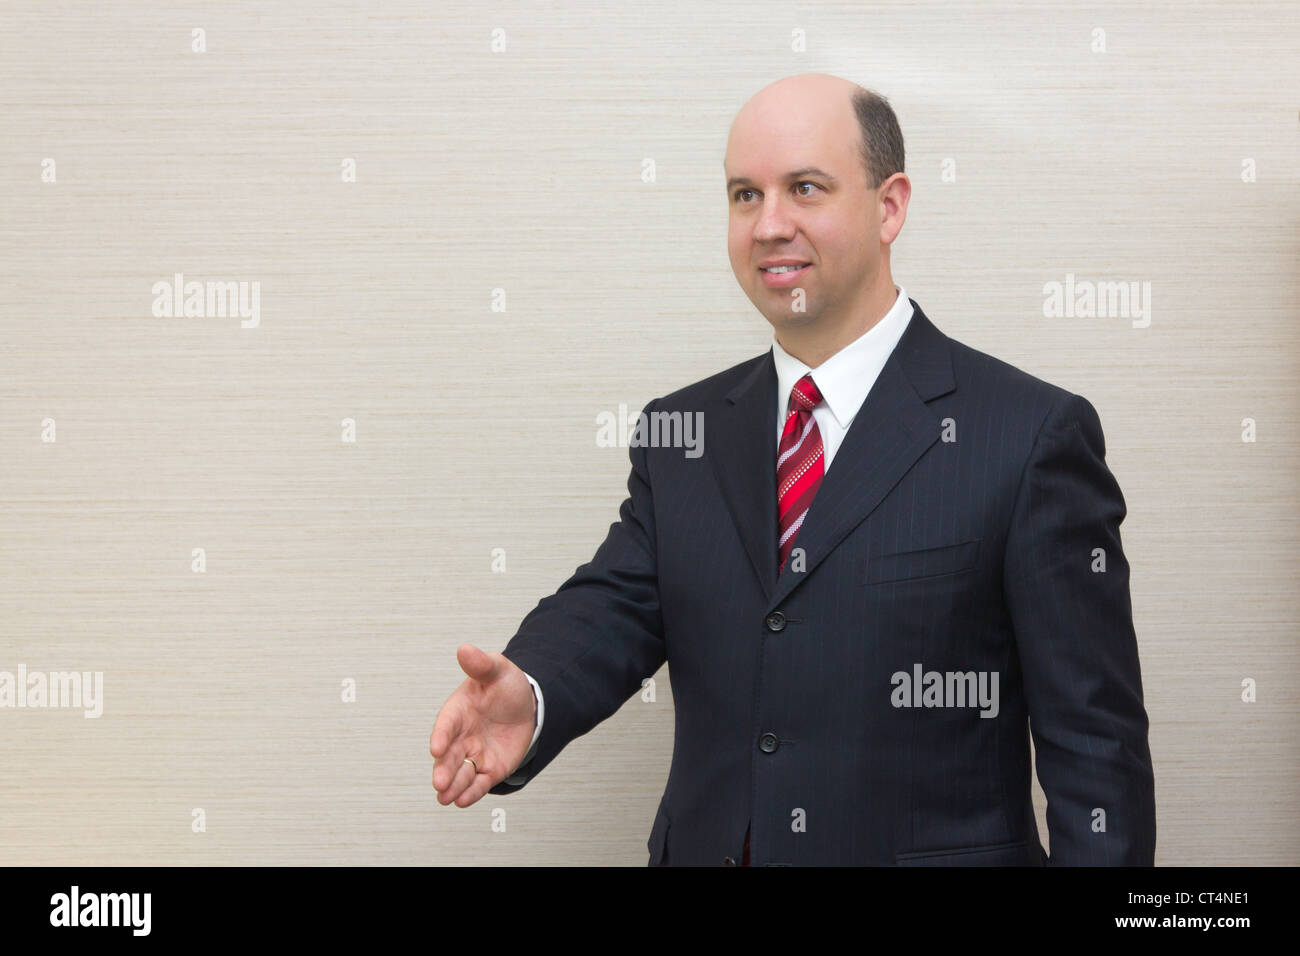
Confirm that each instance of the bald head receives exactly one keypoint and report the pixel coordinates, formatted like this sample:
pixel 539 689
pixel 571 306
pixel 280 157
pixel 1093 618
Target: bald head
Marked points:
pixel 824 105
pixel 805 85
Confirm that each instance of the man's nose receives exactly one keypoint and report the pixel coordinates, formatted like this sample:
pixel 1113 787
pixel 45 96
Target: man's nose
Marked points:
pixel 774 222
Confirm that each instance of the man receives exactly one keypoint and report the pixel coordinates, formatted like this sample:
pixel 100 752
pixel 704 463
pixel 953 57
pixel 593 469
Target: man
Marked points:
pixel 896 557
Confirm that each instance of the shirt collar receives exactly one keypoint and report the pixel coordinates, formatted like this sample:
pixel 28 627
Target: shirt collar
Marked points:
pixel 846 377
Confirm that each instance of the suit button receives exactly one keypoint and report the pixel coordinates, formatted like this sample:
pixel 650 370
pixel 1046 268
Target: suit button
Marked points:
pixel 775 621
pixel 728 861
pixel 768 743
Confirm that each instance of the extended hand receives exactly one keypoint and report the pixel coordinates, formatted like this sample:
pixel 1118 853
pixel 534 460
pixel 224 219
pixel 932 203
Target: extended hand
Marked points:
pixel 490 718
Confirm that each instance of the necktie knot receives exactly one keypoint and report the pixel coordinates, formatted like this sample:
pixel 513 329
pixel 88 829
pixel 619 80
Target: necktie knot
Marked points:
pixel 805 394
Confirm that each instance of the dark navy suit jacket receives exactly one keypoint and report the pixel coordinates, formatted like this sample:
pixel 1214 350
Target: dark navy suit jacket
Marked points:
pixel 969 526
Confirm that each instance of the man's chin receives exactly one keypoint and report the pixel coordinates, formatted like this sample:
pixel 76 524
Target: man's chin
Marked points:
pixel 780 319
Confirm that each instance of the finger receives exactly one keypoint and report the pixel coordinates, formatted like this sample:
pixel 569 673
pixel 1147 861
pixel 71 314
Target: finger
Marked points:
pixel 446 726
pixel 480 665
pixel 446 767
pixel 462 778
pixel 478 787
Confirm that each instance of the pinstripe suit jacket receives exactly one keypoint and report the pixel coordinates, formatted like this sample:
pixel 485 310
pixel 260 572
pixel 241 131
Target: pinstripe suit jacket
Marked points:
pixel 969 527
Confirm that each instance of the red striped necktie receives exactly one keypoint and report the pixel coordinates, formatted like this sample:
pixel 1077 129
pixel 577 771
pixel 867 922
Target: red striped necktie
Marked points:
pixel 798 464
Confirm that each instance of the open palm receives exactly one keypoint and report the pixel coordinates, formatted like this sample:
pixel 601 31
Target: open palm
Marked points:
pixel 490 719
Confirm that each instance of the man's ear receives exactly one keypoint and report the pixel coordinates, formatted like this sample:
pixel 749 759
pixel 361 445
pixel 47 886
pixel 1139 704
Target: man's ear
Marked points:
pixel 895 191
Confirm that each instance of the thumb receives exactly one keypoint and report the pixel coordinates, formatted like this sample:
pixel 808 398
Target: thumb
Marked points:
pixel 480 665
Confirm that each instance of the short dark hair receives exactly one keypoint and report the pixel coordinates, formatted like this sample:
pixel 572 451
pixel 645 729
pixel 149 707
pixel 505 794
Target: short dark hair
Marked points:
pixel 882 140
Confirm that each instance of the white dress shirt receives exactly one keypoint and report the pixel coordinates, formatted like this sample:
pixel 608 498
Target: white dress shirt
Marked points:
pixel 844 380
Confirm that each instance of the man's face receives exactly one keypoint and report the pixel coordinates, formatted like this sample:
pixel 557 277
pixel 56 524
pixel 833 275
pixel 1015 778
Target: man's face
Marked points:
pixel 798 194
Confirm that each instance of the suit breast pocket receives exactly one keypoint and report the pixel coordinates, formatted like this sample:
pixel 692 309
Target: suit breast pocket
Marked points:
pixel 928 562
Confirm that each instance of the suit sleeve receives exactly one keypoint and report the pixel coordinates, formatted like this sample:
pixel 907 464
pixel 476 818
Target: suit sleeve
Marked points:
pixel 1078 653
pixel 591 643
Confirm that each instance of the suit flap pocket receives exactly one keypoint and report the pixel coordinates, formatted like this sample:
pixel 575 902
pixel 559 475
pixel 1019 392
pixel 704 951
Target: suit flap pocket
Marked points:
pixel 921 563
pixel 992 854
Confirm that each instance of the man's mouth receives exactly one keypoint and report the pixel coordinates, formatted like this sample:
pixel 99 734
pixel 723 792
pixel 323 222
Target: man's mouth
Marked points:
pixel 783 276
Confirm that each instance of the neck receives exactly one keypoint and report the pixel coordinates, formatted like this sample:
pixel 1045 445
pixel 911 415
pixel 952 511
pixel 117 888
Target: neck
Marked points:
pixel 817 341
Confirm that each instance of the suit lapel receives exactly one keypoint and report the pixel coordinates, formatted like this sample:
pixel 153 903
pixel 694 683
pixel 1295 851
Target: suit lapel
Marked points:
pixel 890 432
pixel 745 464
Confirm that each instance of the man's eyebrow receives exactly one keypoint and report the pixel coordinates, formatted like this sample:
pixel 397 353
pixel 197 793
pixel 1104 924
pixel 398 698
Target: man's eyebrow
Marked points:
pixel 799 173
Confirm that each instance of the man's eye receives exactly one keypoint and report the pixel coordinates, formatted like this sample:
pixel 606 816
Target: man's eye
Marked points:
pixel 740 193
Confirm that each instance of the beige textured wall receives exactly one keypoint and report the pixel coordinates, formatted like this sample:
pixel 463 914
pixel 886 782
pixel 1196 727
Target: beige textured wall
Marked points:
pixel 521 170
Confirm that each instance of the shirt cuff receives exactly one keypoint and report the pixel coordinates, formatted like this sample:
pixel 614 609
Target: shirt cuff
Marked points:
pixel 537 731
